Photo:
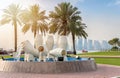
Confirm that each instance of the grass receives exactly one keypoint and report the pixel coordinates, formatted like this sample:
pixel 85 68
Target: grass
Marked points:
pixel 5 56
pixel 8 56
pixel 110 61
pixel 113 53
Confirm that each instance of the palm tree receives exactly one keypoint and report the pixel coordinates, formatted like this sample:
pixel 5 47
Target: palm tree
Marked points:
pixel 65 20
pixel 78 31
pixel 34 19
pixel 111 42
pixel 11 15
pixel 115 43
pixel 119 43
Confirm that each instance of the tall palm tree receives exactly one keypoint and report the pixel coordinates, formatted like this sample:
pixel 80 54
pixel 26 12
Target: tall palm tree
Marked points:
pixel 77 31
pixel 34 19
pixel 65 19
pixel 11 15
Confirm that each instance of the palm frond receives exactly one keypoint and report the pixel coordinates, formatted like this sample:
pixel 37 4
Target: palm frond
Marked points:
pixel 25 28
pixel 5 21
pixel 35 18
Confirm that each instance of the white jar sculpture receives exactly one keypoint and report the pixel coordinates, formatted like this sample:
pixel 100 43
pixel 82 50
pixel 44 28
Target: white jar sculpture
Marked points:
pixel 38 41
pixel 62 42
pixel 49 42
pixel 29 50
pixel 58 52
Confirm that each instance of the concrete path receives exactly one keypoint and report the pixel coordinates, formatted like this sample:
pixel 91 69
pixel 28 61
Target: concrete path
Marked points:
pixel 103 71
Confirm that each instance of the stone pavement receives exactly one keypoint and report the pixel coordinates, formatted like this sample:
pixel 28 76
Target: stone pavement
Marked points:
pixel 103 71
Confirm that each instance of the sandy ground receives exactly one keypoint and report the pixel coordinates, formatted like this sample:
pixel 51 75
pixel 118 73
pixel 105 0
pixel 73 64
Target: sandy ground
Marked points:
pixel 103 71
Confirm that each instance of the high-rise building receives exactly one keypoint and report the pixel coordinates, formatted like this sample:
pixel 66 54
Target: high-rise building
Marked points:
pixel 97 45
pixel 85 45
pixel 80 44
pixel 90 45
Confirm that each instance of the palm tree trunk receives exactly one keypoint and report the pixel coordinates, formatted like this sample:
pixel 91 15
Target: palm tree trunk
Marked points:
pixel 73 38
pixel 34 34
pixel 34 38
pixel 15 35
pixel 35 30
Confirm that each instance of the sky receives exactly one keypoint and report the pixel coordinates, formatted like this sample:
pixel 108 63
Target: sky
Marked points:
pixel 102 18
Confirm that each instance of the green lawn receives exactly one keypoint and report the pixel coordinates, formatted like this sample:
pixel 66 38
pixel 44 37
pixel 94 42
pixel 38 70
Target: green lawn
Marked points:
pixel 113 53
pixel 8 56
pixel 5 56
pixel 110 61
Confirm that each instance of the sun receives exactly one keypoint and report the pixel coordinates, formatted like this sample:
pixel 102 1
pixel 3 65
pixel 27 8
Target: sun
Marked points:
pixel 7 29
pixel 23 3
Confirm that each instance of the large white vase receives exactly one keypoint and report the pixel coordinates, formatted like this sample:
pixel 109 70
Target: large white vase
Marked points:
pixel 29 48
pixel 62 42
pixel 58 52
pixel 38 41
pixel 49 42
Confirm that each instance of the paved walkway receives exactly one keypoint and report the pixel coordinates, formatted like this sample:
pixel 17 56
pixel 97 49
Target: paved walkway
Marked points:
pixel 103 71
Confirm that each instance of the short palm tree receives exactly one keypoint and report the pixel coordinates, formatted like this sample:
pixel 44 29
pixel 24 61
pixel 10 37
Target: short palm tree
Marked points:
pixel 65 20
pixel 111 42
pixel 34 19
pixel 114 42
pixel 11 15
pixel 119 43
